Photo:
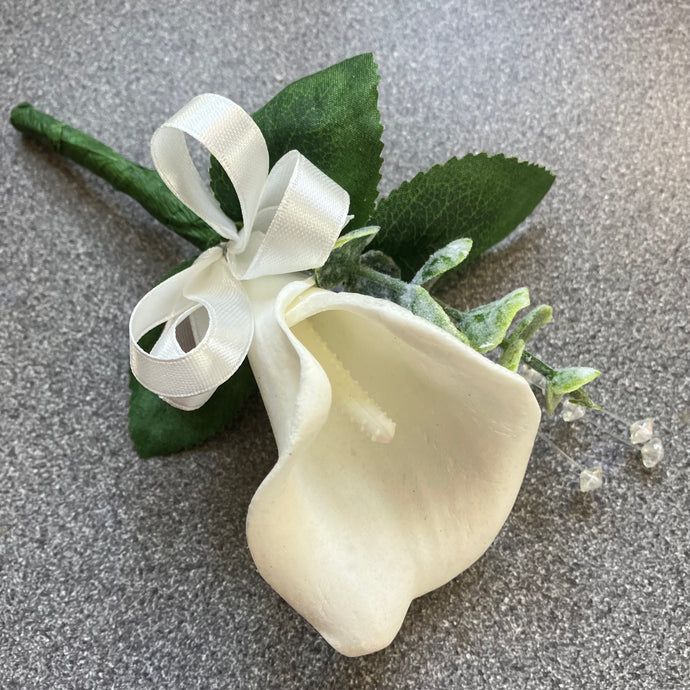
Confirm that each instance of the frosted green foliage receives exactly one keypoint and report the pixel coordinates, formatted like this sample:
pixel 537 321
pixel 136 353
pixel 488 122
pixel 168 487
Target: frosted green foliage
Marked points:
pixel 567 381
pixel 441 261
pixel 530 324
pixel 344 258
pixel 413 297
pixel 380 262
pixel 486 326
pixel 514 344
pixel 510 359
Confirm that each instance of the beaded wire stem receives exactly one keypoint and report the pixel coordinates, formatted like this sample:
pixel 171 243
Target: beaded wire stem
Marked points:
pixel 641 433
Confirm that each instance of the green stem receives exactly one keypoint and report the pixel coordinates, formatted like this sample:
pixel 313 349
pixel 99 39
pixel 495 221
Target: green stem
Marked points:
pixel 142 184
pixel 369 281
pixel 531 361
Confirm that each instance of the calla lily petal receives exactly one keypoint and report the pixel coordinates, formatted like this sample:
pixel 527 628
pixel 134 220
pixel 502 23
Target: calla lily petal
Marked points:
pixel 401 452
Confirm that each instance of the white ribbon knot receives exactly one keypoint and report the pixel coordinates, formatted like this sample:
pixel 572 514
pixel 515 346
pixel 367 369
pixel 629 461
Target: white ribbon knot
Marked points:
pixel 292 218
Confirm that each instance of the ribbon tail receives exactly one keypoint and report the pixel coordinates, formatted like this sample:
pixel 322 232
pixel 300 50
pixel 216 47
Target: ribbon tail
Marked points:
pixel 207 335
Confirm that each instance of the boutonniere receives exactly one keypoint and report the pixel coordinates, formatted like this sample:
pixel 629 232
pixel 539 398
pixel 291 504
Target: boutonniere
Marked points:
pixel 401 444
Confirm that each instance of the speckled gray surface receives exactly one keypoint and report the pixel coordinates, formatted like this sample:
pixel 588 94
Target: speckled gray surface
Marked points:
pixel 120 573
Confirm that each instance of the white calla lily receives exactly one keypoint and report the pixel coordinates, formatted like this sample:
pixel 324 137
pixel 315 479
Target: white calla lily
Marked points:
pixel 401 453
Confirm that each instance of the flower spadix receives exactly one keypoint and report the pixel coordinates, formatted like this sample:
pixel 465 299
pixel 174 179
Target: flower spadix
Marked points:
pixel 401 449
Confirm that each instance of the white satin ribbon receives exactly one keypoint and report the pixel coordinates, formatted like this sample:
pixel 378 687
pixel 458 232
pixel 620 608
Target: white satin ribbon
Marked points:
pixel 292 218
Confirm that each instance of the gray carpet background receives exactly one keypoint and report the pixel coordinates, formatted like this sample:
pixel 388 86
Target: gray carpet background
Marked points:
pixel 117 572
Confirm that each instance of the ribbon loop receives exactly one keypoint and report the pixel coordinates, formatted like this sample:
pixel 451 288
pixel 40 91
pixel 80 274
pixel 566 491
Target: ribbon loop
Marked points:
pixel 292 218
pixel 301 214
pixel 232 137
pixel 172 373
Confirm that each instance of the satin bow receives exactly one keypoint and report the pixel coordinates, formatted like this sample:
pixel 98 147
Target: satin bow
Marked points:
pixel 292 218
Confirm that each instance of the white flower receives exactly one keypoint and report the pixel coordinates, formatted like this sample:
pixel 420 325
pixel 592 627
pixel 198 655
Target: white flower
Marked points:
pixel 401 452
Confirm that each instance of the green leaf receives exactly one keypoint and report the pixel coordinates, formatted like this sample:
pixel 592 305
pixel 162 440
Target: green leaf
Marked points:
pixel 570 379
pixel 415 298
pixel 510 359
pixel 530 324
pixel 480 197
pixel 332 118
pixel 552 399
pixel 579 397
pixel 343 258
pixel 514 345
pixel 157 428
pixel 441 261
pixel 486 326
pixel 380 262
pixel 563 381
pixel 352 243
pixel 142 184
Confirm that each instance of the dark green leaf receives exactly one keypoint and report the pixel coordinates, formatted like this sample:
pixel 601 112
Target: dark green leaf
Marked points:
pixel 157 428
pixel 480 197
pixel 142 184
pixel 332 118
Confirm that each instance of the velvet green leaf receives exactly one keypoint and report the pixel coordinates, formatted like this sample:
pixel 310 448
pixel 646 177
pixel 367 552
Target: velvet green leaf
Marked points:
pixel 486 326
pixel 480 197
pixel 332 118
pixel 157 428
pixel 445 259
